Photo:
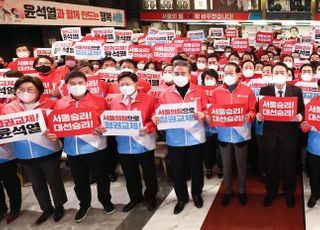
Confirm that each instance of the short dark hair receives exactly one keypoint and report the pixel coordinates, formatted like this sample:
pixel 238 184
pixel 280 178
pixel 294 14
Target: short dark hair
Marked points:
pixel 234 65
pixel 146 66
pixel 22 45
pixel 211 73
pixel 83 64
pixel 246 61
pixel 182 63
pixel 103 60
pixel 201 56
pixel 74 74
pixel 268 65
pixel 280 64
pixel 258 62
pixel 212 55
pixel 13 73
pixel 178 57
pixel 234 54
pixel 134 63
pixel 36 81
pixel 35 62
pixel 166 66
pixel 228 47
pixel 294 27
pixel 307 64
pixel 128 74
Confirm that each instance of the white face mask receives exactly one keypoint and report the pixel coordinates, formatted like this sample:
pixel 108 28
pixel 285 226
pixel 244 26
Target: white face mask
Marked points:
pixel 209 82
pixel 289 64
pixel 296 60
pixel 77 90
pixel 149 70
pixel 27 97
pixel 306 77
pixel 204 48
pixel 279 79
pixel 127 70
pixel 258 72
pixel 201 66
pixel 23 54
pixel 235 62
pixel 180 81
pixel 111 68
pixel 267 78
pixel 127 89
pixel 229 79
pixel 210 51
pixel 248 73
pixel 213 66
pixel 167 77
pixel 227 54
pixel 96 66
pixel 140 66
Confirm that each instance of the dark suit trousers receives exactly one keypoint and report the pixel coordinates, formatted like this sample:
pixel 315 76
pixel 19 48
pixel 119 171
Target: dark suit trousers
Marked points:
pixel 11 182
pixel 81 167
pixel 280 158
pixel 45 171
pixel 130 165
pixel 314 173
pixel 179 159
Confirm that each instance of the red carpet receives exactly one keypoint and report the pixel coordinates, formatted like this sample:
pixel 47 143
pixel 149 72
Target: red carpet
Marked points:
pixel 255 215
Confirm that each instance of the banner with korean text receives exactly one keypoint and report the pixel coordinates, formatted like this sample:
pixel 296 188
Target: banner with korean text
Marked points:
pixel 312 113
pixel 174 116
pixel 278 108
pixel 121 122
pixel 6 87
pixel 21 126
pixel 72 122
pixel 227 115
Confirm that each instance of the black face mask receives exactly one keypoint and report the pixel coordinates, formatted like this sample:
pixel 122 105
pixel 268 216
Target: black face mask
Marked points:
pixel 43 69
pixel 1 66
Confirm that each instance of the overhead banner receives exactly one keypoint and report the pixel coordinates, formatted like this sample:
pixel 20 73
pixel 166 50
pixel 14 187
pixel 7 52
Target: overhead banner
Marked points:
pixel 312 114
pixel 7 87
pixel 121 122
pixel 88 51
pixel 173 116
pixel 227 115
pixel 278 108
pixel 71 33
pixel 72 122
pixel 21 126
pixel 32 12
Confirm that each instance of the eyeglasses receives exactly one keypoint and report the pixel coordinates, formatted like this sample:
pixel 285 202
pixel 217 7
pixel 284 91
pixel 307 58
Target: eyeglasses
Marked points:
pixel 29 90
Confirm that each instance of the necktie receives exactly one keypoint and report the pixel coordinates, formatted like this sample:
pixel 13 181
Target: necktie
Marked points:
pixel 280 93
pixel 129 101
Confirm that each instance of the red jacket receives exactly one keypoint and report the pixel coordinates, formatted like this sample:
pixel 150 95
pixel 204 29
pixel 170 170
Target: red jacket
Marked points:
pixel 144 103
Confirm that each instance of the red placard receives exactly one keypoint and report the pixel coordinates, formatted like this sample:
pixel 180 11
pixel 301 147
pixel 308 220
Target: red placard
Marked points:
pixel 94 85
pixel 264 37
pixel 231 33
pixel 227 115
pixel 240 44
pixel 312 113
pixel 48 86
pixel 179 41
pixel 277 42
pixel 287 47
pixel 192 47
pixel 139 52
pixel 163 52
pixel 24 65
pixel 72 122
pixel 278 108
pixel 88 38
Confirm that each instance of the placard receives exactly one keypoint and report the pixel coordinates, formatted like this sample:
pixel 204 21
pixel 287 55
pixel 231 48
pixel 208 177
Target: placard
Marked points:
pixel 309 90
pixel 152 39
pixel 264 37
pixel 90 39
pixel 174 116
pixel 72 122
pixel 139 52
pixel 71 33
pixel 60 48
pixel 24 65
pixel 287 47
pixel 256 84
pixel 278 108
pixel 117 51
pixel 153 77
pixel 123 35
pixel 231 33
pixel 163 52
pixel 108 75
pixel 7 87
pixel 316 34
pixel 107 32
pixel 216 32
pixel 41 52
pixel 3 71
pixel 227 115
pixel 312 113
pixel 304 49
pixel 219 45
pixel 192 47
pixel 240 44
pixel 171 34
pixel 121 122
pixel 88 51
pixel 21 126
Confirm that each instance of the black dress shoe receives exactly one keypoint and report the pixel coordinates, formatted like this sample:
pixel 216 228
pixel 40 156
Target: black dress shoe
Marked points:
pixel 131 205
pixel 290 202
pixel 12 216
pixel 198 201
pixel 179 207
pixel 2 215
pixel 220 173
pixel 45 215
pixel 58 213
pixel 113 177
pixel 312 201
pixel 226 199
pixel 243 198
pixel 209 173
pixel 268 200
pixel 151 204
